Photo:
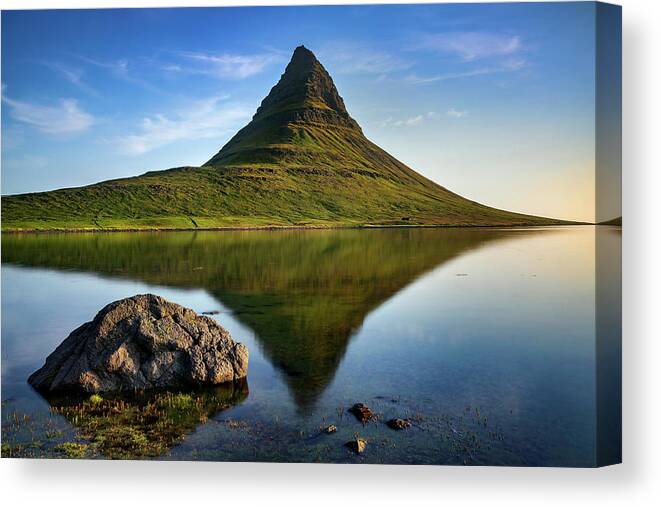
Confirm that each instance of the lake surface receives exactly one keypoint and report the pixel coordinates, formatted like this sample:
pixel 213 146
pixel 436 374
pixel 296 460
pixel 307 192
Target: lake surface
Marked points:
pixel 484 338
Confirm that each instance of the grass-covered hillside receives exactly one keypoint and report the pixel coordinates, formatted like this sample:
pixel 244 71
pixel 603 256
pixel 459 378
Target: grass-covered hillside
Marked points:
pixel 301 161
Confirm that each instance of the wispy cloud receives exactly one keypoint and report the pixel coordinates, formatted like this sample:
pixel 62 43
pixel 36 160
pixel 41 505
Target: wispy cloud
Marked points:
pixel 73 75
pixel 454 113
pixel 64 118
pixel 346 58
pixel 510 65
pixel 415 79
pixel 409 122
pixel 223 65
pixel 204 119
pixel 475 54
pixel 121 69
pixel 471 46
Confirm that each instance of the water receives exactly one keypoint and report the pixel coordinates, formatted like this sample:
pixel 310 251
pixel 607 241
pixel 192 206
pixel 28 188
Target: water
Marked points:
pixel 484 338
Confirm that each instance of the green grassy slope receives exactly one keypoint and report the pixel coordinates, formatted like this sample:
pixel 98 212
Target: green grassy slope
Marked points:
pixel 245 196
pixel 301 161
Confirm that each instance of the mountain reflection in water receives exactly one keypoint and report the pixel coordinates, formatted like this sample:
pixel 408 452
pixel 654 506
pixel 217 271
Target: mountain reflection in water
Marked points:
pixel 303 293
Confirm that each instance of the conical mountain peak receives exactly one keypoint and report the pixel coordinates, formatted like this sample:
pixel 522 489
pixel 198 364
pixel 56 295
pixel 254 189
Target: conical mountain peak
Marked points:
pixel 295 121
pixel 305 84
pixel 303 55
pixel 301 161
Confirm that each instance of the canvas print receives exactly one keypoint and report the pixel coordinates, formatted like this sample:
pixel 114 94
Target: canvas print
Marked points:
pixel 381 234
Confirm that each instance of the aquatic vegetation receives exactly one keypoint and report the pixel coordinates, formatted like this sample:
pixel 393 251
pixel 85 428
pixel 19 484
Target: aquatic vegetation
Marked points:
pixel 73 450
pixel 146 424
pixel 95 398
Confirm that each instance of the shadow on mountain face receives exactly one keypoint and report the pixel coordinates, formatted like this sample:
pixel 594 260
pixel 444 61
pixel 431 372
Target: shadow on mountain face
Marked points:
pixel 303 293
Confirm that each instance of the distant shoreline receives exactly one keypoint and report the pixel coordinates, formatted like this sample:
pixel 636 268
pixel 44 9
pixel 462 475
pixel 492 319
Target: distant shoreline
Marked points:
pixel 288 227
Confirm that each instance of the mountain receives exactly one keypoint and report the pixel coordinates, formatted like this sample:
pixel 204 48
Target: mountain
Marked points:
pixel 301 161
pixel 614 221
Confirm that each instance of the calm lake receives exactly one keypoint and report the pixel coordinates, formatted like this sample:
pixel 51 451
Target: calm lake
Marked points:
pixel 484 338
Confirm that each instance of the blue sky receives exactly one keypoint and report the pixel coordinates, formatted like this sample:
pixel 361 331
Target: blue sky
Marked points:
pixel 493 101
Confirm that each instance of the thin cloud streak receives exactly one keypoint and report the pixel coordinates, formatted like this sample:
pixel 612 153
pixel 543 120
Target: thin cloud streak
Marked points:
pixel 488 53
pixel 508 66
pixel 204 119
pixel 409 122
pixel 453 113
pixel 65 118
pixel 121 69
pixel 470 46
pixel 223 65
pixel 73 75
pixel 356 59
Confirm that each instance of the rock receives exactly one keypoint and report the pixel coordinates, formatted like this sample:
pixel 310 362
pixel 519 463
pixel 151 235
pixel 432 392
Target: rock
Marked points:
pixel 143 342
pixel 399 424
pixel 362 412
pixel 357 445
pixel 331 429
pixel 211 312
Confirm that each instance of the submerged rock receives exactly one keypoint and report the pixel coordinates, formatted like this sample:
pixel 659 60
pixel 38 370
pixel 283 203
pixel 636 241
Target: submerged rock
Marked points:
pixel 143 342
pixel 357 445
pixel 399 424
pixel 331 429
pixel 362 412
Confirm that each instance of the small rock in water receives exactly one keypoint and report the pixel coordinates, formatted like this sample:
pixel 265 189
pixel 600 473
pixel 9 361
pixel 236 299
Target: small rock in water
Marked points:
pixel 399 424
pixel 211 312
pixel 358 445
pixel 331 429
pixel 362 412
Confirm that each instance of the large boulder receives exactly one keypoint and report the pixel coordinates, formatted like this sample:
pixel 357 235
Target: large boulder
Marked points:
pixel 143 342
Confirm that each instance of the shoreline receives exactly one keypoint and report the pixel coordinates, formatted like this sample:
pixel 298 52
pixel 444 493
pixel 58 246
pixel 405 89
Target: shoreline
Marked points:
pixel 289 227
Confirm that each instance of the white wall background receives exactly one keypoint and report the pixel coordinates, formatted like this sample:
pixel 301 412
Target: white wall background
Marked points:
pixel 636 482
